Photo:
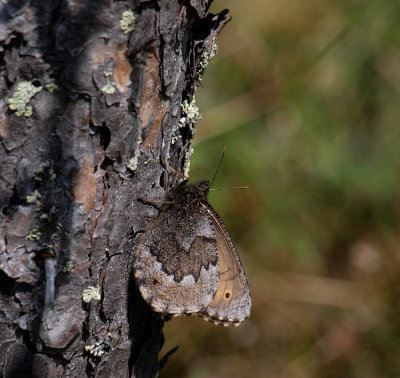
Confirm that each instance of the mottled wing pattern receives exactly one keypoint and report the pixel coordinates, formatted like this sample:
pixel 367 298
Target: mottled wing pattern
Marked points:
pixel 176 265
pixel 231 303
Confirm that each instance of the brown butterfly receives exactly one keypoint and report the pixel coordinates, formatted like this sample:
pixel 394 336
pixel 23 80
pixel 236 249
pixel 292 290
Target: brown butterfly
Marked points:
pixel 186 263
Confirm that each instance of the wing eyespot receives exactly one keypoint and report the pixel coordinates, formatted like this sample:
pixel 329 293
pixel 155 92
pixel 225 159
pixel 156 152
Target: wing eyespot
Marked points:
pixel 227 294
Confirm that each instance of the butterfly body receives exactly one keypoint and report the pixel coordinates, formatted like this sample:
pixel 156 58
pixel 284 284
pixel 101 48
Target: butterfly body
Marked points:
pixel 186 263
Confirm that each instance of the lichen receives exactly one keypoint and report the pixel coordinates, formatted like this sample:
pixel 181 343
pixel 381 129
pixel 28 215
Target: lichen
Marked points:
pixel 34 198
pixel 132 164
pixel 133 161
pixel 127 22
pixel 69 265
pixel 191 110
pixel 51 87
pixel 109 88
pixel 206 57
pixel 41 169
pixel 100 347
pixel 21 98
pixel 186 165
pixel 190 115
pixel 52 174
pixel 34 235
pixel 92 292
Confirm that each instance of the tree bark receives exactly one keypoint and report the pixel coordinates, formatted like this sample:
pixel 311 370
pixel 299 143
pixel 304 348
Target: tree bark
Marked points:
pixel 91 108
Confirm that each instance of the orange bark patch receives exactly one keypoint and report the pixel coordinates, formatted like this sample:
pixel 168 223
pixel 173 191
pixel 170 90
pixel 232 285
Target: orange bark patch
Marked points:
pixel 152 108
pixel 3 128
pixel 85 185
pixel 122 72
pixel 121 68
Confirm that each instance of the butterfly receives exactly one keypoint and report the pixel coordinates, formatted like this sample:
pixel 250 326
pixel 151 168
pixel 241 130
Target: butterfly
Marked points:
pixel 186 263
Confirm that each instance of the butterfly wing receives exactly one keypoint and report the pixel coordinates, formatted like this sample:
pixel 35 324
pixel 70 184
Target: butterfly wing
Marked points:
pixel 231 302
pixel 176 266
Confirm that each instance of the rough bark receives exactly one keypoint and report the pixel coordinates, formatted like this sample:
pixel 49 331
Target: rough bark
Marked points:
pixel 104 116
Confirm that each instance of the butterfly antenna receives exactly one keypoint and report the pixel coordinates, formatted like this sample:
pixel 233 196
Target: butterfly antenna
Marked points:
pixel 173 170
pixel 232 188
pixel 219 164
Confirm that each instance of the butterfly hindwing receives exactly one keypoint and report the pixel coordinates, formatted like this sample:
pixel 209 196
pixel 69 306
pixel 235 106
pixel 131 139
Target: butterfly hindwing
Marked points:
pixel 176 266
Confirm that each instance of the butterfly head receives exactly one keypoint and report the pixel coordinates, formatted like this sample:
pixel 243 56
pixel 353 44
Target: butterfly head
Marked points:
pixel 202 188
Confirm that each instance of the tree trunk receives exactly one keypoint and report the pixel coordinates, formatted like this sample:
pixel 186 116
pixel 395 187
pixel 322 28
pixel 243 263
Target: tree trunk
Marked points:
pixel 91 108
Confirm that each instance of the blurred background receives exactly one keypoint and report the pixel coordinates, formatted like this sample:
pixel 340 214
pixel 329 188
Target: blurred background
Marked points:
pixel 305 97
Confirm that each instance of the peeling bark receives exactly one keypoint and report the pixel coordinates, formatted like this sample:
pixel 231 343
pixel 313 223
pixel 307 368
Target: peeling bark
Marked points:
pixel 88 115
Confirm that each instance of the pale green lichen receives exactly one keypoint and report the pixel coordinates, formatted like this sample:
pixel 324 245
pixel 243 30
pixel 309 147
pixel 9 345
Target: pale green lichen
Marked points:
pixel 69 265
pixel 51 87
pixel 54 236
pixel 34 198
pixel 100 347
pixel 190 115
pixel 132 164
pixel 133 161
pixel 92 292
pixel 127 22
pixel 41 169
pixel 21 97
pixel 44 216
pixel 206 58
pixel 52 174
pixel 191 110
pixel 186 165
pixel 109 88
pixel 34 235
